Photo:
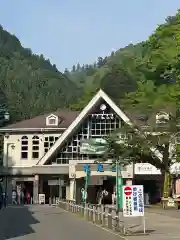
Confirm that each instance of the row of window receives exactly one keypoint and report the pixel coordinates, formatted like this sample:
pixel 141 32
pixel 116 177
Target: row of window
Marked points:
pixel 35 147
pixel 49 141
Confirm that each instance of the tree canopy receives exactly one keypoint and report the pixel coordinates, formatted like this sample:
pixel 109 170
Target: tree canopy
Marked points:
pixel 152 67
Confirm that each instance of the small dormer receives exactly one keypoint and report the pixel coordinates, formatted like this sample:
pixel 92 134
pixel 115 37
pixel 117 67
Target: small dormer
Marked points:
pixel 52 120
pixel 162 117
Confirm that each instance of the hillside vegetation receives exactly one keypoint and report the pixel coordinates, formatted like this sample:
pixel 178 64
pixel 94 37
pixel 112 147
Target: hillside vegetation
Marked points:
pixel 144 74
pixel 29 84
pixel 153 64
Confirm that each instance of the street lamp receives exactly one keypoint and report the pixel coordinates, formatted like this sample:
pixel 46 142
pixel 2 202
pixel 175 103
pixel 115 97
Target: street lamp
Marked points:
pixel 6 116
pixel 6 166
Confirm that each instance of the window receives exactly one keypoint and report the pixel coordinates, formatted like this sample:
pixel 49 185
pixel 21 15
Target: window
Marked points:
pixel 24 147
pixel 52 120
pixel 35 147
pixel 49 142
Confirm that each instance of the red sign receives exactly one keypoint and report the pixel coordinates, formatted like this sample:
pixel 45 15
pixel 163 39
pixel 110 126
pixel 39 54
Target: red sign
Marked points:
pixel 127 191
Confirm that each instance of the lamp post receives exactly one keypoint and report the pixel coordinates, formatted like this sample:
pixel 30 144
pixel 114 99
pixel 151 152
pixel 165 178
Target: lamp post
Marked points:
pixel 4 117
pixel 6 167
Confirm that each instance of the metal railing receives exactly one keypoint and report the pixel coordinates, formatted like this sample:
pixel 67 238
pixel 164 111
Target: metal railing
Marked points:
pixel 105 216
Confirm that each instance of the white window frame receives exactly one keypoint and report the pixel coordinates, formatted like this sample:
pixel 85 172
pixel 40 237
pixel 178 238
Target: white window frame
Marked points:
pixel 50 117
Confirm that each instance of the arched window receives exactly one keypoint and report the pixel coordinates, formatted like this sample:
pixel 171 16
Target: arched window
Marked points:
pixel 24 147
pixel 35 147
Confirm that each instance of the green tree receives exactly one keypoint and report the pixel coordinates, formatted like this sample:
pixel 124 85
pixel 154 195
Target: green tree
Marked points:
pixel 31 84
pixel 117 82
pixel 152 147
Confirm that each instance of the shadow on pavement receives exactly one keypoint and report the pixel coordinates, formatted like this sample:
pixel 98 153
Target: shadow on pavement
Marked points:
pixel 16 221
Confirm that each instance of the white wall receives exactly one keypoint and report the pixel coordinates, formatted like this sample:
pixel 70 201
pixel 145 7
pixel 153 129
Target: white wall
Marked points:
pixel 14 155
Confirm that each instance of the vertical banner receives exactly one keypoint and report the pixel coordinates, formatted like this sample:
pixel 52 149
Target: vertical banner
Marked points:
pixel 119 192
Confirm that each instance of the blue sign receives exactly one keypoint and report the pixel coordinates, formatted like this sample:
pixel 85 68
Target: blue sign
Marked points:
pixel 100 167
pixel 86 167
pixel 135 199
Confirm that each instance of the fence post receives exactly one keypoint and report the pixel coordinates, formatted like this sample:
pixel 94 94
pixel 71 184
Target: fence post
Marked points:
pixel 106 211
pixel 110 218
pixel 94 214
pixel 114 221
pixel 102 215
pixel 99 214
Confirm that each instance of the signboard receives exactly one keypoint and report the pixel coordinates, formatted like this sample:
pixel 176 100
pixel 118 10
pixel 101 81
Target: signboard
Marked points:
pixel 55 182
pixel 171 202
pixel 133 201
pixel 41 198
pixel 146 168
pixel 96 146
pixel 128 191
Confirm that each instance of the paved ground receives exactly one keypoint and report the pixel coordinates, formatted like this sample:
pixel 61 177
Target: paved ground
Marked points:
pixel 44 222
pixel 160 224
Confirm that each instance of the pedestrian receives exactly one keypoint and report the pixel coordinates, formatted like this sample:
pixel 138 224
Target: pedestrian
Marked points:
pixel 105 196
pixel 21 197
pixel 14 197
pixel 28 197
pixel 1 200
pixel 5 197
pixel 99 196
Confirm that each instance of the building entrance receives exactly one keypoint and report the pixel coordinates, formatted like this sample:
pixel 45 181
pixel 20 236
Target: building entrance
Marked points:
pixel 24 191
pixel 152 188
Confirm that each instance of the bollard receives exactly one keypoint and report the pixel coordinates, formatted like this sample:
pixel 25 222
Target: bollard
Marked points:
pixel 121 225
pixel 102 215
pixel 94 214
pixel 114 220
pixel 50 201
pixel 110 218
pixel 91 213
pixel 99 215
pixel 106 211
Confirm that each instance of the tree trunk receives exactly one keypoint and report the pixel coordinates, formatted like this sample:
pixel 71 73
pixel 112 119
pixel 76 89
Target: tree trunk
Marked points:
pixel 166 185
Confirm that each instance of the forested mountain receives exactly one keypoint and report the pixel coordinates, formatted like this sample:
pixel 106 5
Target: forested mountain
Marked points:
pixel 154 62
pixel 29 84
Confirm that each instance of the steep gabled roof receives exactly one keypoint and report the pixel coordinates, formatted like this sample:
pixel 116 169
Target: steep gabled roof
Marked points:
pixel 95 100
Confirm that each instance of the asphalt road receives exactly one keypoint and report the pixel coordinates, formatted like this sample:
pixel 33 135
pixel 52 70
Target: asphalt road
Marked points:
pixel 44 222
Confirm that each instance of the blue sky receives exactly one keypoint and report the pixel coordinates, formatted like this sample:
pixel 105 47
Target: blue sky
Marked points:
pixel 69 31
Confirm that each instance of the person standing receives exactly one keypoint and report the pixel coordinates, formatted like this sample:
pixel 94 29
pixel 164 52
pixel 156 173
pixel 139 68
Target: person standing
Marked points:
pixel 14 197
pixel 1 199
pixel 28 197
pixel 5 197
pixel 21 196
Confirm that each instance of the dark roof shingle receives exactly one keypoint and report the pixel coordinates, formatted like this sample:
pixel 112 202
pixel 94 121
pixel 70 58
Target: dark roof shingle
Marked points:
pixel 66 117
